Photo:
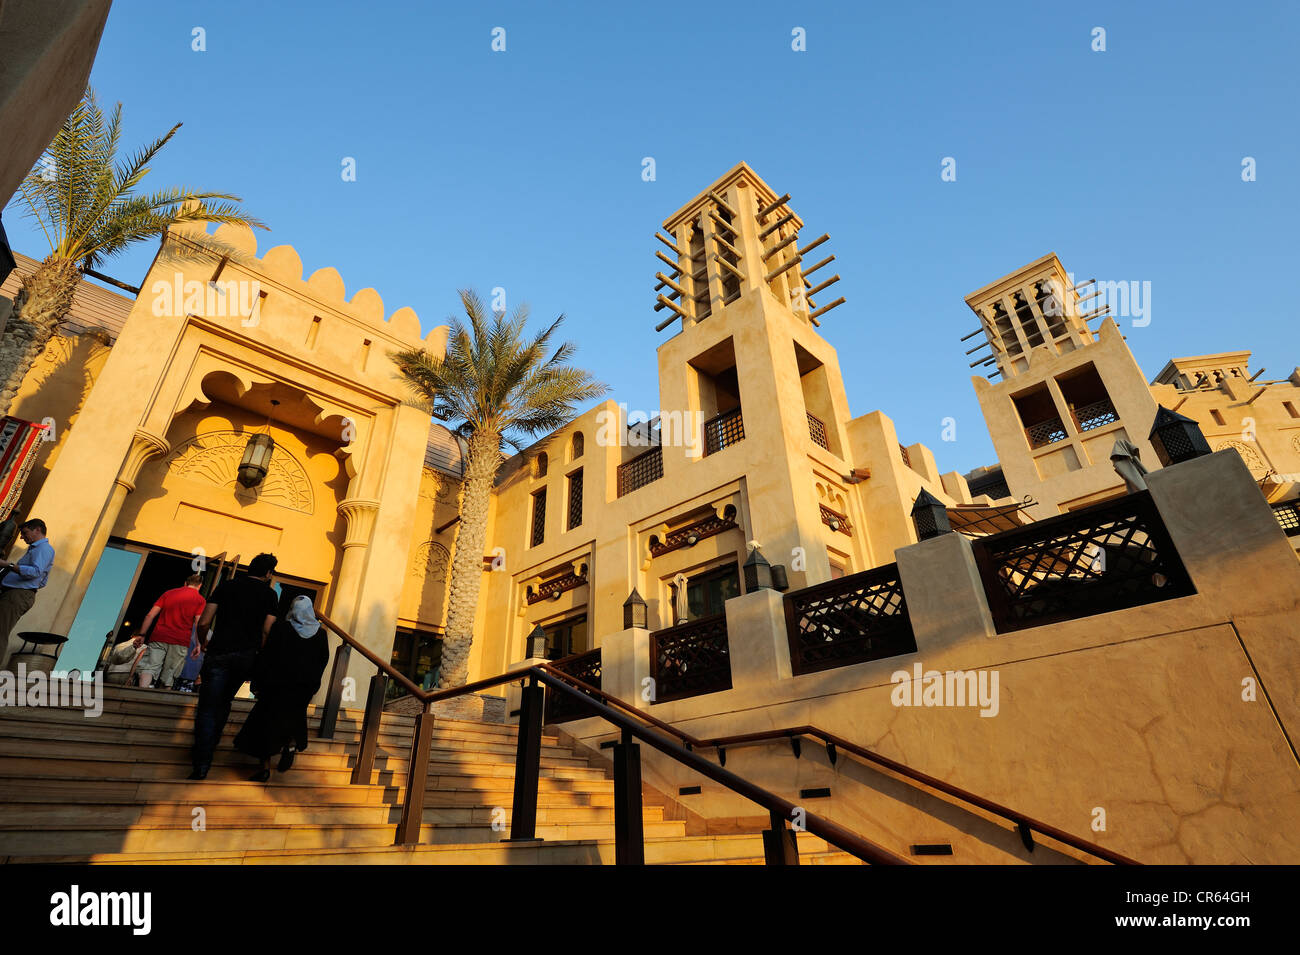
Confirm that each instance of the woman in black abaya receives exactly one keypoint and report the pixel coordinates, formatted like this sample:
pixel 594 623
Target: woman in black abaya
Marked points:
pixel 285 678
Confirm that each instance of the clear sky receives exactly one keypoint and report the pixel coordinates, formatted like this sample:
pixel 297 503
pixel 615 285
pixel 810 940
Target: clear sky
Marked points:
pixel 523 169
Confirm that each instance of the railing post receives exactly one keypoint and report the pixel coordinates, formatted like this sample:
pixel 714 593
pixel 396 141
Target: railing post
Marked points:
pixel 417 777
pixel 629 834
pixel 334 698
pixel 779 846
pixel 528 762
pixel 370 728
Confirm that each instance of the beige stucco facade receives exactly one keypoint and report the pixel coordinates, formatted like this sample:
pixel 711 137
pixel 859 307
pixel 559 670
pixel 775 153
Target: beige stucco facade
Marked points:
pixel 1141 713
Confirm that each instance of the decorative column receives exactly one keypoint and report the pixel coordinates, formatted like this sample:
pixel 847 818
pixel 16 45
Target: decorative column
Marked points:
pixel 359 514
pixel 145 445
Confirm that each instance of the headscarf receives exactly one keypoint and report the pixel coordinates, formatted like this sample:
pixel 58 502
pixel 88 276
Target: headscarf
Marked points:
pixel 302 616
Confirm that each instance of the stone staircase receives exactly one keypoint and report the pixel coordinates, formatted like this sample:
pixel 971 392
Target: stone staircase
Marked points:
pixel 112 790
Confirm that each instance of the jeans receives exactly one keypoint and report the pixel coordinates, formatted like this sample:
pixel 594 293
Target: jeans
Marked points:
pixel 223 675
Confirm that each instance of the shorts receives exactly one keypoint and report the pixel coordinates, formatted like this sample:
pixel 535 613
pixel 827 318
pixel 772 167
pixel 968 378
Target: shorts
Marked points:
pixel 163 662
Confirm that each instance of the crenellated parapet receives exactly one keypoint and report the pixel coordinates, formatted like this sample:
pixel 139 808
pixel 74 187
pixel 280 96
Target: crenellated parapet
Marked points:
pixel 221 277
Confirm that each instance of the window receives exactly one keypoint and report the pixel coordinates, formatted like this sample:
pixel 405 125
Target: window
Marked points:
pixel 1085 395
pixel 578 444
pixel 839 564
pixel 566 637
pixel 539 517
pixel 707 592
pixel 416 654
pixel 575 499
pixel 1290 409
pixel 1218 418
pixel 539 465
pixel 1039 417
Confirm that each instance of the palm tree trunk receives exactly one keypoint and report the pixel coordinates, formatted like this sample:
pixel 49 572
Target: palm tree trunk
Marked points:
pixel 467 562
pixel 43 301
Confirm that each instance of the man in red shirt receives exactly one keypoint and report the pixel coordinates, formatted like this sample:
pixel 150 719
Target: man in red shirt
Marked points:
pixel 172 618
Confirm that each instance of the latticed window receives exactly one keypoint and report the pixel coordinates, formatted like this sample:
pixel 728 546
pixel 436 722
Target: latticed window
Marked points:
pixel 578 444
pixel 640 471
pixel 1045 433
pixel 817 431
pixel 1288 517
pixel 539 517
pixel 575 499
pixel 723 431
pixel 1095 415
pixel 539 465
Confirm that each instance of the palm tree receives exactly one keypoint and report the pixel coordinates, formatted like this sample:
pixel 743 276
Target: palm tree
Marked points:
pixel 85 203
pixel 498 388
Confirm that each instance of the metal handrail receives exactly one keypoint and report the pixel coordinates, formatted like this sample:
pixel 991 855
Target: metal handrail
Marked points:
pixel 413 802
pixel 915 775
pixel 621 714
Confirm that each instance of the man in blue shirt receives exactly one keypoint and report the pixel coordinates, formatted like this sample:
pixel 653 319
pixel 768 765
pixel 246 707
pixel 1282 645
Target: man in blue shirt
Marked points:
pixel 20 580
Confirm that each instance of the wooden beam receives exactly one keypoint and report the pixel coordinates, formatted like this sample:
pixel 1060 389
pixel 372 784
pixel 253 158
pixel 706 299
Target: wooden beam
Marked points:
pixel 727 265
pixel 767 210
pixel 825 285
pixel 727 245
pixel 665 280
pixel 826 261
pixel 814 243
pixel 723 204
pixel 822 311
pixel 793 262
pixel 670 263
pixel 777 248
pixel 723 222
pixel 788 217
pixel 670 245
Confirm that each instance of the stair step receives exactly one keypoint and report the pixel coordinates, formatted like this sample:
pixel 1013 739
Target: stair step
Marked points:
pixel 181 837
pixel 173 734
pixel 92 816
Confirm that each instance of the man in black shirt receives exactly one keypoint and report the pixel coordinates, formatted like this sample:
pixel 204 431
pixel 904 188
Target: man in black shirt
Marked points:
pixel 244 609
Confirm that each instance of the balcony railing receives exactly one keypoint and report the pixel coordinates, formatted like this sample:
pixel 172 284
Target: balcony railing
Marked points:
pixel 1288 517
pixel 1095 415
pixel 850 620
pixel 1045 432
pixel 817 431
pixel 1110 556
pixel 582 666
pixel 690 659
pixel 723 431
pixel 641 470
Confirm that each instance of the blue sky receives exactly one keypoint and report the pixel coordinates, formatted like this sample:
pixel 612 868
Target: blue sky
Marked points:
pixel 522 169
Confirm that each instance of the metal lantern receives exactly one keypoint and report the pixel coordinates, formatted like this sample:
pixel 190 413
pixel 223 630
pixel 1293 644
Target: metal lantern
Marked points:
pixel 758 572
pixel 634 611
pixel 1176 438
pixel 535 645
pixel 256 460
pixel 929 516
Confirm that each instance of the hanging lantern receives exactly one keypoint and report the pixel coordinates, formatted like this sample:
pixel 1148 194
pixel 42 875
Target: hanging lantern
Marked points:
pixel 256 460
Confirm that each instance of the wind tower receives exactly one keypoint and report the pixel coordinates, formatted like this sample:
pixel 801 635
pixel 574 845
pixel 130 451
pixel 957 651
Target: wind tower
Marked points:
pixel 1059 393
pixel 749 291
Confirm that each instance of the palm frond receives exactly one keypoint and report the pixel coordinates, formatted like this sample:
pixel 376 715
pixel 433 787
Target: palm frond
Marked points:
pixel 85 198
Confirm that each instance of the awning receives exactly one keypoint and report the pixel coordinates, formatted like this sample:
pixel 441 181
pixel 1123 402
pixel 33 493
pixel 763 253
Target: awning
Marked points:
pixel 976 520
